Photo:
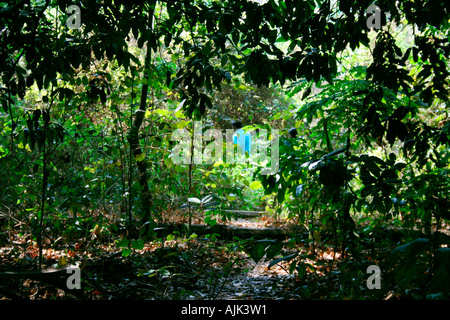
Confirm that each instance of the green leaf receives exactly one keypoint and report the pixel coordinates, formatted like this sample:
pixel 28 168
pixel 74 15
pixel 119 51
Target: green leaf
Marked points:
pixel 195 200
pixel 257 252
pixel 293 267
pixel 207 199
pixel 281 39
pixel 255 185
pixel 126 252
pixel 372 166
pixel 162 112
pixel 209 220
pixel 180 106
pixel 259 248
pixel 273 250
pixel 285 258
pixel 140 157
pixel 171 237
pixel 400 166
pixel 85 80
pixel 231 197
pixel 123 243
pixel 392 158
pixel 137 244
pixel 20 71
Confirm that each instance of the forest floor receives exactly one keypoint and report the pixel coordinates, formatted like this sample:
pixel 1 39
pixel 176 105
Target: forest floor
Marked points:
pixel 196 268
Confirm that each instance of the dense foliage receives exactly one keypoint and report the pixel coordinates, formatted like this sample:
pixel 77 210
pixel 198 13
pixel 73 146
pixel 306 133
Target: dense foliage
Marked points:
pixel 88 113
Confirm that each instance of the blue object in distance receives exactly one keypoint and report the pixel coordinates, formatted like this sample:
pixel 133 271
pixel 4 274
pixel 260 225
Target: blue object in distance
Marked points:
pixel 244 140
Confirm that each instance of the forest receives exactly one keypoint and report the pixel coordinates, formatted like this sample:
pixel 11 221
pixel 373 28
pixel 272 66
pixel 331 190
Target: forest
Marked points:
pixel 224 150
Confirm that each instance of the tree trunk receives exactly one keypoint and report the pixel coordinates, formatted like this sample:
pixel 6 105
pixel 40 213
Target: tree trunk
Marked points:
pixel 133 138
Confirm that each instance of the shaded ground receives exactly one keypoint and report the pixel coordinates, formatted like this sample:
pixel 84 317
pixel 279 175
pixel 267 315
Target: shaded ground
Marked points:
pixel 203 267
pixel 190 270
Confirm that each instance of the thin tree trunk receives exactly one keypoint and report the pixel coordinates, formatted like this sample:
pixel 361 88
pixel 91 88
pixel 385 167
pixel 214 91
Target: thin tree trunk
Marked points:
pixel 45 173
pixel 133 139
pixel 190 179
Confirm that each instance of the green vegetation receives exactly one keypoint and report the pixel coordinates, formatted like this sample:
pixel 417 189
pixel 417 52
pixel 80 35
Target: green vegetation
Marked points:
pixel 87 175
